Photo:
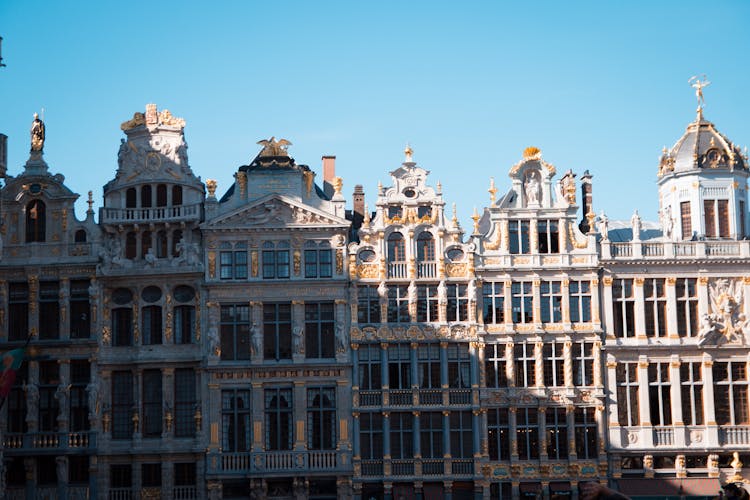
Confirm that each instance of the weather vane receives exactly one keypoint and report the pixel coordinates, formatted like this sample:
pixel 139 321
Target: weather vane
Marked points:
pixel 699 85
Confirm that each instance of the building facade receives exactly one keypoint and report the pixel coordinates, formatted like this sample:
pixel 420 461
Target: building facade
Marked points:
pixel 273 343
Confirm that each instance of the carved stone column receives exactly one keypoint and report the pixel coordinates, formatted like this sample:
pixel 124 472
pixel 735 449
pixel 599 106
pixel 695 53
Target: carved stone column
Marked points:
pixel 300 416
pixel 258 409
pixel 565 290
pixel 568 363
pixel 62 395
pixel 32 397
pixel 596 319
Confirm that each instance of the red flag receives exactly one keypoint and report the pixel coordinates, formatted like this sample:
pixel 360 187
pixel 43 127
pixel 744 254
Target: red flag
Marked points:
pixel 11 361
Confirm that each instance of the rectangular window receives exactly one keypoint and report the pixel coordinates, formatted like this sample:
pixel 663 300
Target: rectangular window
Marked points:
pixel 523 301
pixel 184 324
pixel 185 402
pixel 723 214
pixel 277 331
pixel 78 470
pixel 655 307
pixel 551 296
pixel 151 325
pixel 458 303
pixel 493 302
pixel 371 435
pixel 459 366
pixel 399 366
pixel 627 394
pixel 370 369
pixel 431 434
pixel 623 307
pixel 691 384
pixel 731 393
pixel 498 433
pixel 398 304
pixel 368 304
pixel 519 236
pixel 80 375
pixel 554 364
pixel 18 311
pixel 495 365
pixel 527 431
pixel 122 326
pixel 586 433
pixel 236 420
pixel 427 303
pixel 659 394
pixel 580 301
pixel 122 405
pixel 233 265
pixel 583 364
pixel 152 403
pixel 687 307
pixel 687 224
pixel 16 420
pixel 321 418
pixel 278 405
pixel 557 434
pixel 121 476
pixel 524 361
pixel 276 262
pixel 151 475
pixel 461 431
pixel 49 310
pixel 741 231
pixel 318 263
pixel 549 236
pixel 185 474
pixel 80 314
pixel 402 435
pixel 428 366
pixel 709 213
pixel 319 334
pixel 235 332
pixel 49 380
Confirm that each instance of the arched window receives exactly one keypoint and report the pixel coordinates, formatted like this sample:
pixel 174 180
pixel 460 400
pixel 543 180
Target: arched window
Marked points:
pixel 131 246
pixel 145 243
pixel 161 195
pixel 425 247
pixel 130 198
pixel 35 221
pixel 396 248
pixel 176 195
pixel 146 196
pixel 80 236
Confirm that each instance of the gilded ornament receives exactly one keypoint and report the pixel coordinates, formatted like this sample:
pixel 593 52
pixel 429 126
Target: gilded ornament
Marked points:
pixel 297 262
pixel 211 186
pixel 272 147
pixel 494 244
pixel 211 264
pixel 241 182
pixel 254 263
pixel 339 261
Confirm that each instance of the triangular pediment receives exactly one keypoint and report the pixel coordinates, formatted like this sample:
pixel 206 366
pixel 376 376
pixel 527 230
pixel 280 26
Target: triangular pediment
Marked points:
pixel 274 211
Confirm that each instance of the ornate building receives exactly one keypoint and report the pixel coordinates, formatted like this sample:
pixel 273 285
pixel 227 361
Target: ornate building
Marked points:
pixel 270 343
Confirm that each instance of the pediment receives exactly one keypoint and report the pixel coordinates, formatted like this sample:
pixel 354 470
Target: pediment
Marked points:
pixel 275 212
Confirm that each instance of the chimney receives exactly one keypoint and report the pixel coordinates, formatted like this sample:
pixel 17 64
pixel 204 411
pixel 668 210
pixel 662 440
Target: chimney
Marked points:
pixel 587 201
pixel 358 208
pixel 3 155
pixel 329 172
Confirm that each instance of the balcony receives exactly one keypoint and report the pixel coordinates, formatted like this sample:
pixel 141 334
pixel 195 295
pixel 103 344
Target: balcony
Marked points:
pixel 675 250
pixel 664 436
pixel 278 461
pixel 159 214
pixel 372 467
pixel 402 467
pixel 398 270
pixel 370 398
pixel 49 440
pixel 426 269
pixel 734 435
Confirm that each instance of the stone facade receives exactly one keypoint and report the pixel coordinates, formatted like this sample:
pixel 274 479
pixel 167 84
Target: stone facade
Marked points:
pixel 270 343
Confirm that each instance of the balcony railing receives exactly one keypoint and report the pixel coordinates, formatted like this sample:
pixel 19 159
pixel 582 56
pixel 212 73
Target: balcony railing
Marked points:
pixel 459 396
pixel 370 398
pixel 49 440
pixel 402 467
pixel 160 214
pixel 433 467
pixel 185 493
pixel 462 466
pixel 663 436
pixel 681 249
pixel 400 397
pixel 372 467
pixel 397 270
pixel 734 435
pixel 120 494
pixel 426 269
pixel 279 461
pixel 430 397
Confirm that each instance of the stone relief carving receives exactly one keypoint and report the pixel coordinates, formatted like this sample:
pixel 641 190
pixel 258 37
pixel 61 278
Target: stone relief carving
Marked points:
pixel 727 321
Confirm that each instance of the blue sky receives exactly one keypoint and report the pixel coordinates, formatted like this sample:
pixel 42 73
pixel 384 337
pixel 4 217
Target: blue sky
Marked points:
pixel 598 86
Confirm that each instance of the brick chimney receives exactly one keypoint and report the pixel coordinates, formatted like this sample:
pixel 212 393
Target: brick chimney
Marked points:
pixel 329 172
pixel 358 208
pixel 587 201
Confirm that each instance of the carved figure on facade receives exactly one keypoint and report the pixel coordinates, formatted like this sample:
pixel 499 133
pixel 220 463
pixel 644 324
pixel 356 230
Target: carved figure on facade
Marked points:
pixel 265 213
pixel 298 340
pixel 32 401
pixel 666 221
pixel 442 292
pixel 635 224
pixel 568 187
pixel 256 340
pixel 61 395
pixel 341 341
pixel 603 226
pixel 95 394
pixel 726 322
pixel 533 188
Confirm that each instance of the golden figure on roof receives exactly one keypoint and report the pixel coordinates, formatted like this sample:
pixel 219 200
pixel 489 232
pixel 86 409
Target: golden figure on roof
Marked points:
pixel 699 85
pixel 272 147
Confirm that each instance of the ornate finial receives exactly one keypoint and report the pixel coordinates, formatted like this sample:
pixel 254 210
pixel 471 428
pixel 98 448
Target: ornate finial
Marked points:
pixel 91 201
pixel 408 151
pixel 699 85
pixel 366 220
pixel 454 219
pixel 492 190
pixel 338 183
pixel 439 187
pixel 37 134
pixel 272 147
pixel 380 187
pixel 532 153
pixel 475 218
pixel 211 186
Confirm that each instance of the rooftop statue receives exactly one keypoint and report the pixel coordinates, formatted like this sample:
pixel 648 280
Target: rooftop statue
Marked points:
pixel 37 134
pixel 699 85
pixel 272 147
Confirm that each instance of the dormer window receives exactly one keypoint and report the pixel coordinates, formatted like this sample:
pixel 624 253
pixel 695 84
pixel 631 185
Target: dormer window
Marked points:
pixel 424 211
pixel 36 221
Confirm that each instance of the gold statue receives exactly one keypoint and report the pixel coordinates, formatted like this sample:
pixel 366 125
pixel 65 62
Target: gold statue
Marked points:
pixel 699 85
pixel 272 147
pixel 37 134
